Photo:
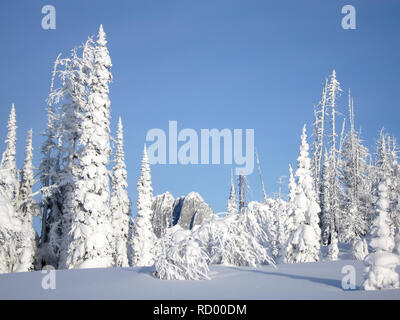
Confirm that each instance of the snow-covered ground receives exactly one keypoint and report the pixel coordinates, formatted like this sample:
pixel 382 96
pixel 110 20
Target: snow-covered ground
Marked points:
pixel 320 280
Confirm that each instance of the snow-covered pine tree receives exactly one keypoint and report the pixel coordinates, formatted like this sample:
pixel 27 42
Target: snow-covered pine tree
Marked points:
pixel 49 169
pixel 333 250
pixel 243 187
pixel 394 188
pixel 334 198
pixel 357 186
pixel 333 93
pixel 143 237
pixel 325 200
pixel 10 233
pixel 387 163
pixel 8 166
pixel 319 133
pixel 28 208
pixel 303 244
pixel 74 97
pixel 285 220
pixel 232 205
pixel 11 224
pixel 91 232
pixel 292 185
pixel 265 197
pixel 381 263
pixel 120 203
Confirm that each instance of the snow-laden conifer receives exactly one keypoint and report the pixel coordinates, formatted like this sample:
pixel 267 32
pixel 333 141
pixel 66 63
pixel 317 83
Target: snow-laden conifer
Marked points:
pixel 381 263
pixel 357 200
pixel 303 243
pixel 143 237
pixel 8 166
pixel 120 203
pixel 27 246
pixel 232 205
pixel 49 170
pixel 91 235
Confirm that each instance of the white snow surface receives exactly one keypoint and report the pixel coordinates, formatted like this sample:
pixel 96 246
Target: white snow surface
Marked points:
pixel 315 280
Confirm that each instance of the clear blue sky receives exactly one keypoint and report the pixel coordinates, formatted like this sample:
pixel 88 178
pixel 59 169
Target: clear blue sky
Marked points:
pixel 209 64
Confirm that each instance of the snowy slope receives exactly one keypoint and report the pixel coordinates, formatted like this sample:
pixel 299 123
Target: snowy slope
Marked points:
pixel 320 280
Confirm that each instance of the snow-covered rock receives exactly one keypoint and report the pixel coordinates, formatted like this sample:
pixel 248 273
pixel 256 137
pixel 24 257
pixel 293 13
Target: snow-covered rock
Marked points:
pixel 191 210
pixel 162 208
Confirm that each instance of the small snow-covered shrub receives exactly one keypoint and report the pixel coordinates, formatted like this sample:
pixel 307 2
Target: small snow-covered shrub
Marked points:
pixel 381 263
pixel 360 249
pixel 380 271
pixel 333 250
pixel 303 246
pixel 180 257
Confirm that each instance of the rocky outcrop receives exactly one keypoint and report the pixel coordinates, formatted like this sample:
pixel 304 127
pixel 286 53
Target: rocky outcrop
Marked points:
pixel 187 211
pixel 194 211
pixel 163 206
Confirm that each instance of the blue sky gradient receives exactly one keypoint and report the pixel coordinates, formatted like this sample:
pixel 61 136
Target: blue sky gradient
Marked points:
pixel 209 64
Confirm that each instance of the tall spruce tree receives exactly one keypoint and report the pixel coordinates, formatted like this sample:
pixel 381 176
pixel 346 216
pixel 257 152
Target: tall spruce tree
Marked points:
pixel 87 221
pixel 143 237
pixel 304 242
pixel 120 203
pixel 27 209
pixel 232 205
pixel 9 172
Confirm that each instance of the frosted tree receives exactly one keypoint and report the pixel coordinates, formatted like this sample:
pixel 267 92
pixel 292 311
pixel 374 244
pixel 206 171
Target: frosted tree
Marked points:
pixel 74 96
pixel 333 93
pixel 242 242
pixel 357 192
pixel 381 263
pixel 9 172
pixel 388 163
pixel 120 203
pixel 143 237
pixel 92 229
pixel 325 200
pixel 292 185
pixel 265 197
pixel 394 187
pixel 243 187
pixel 267 217
pixel 91 236
pixel 319 133
pixel 49 169
pixel 232 205
pixel 286 220
pixel 333 174
pixel 303 243
pixel 360 249
pixel 10 234
pixel 333 250
pixel 27 209
pixel 280 211
pixel 180 257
